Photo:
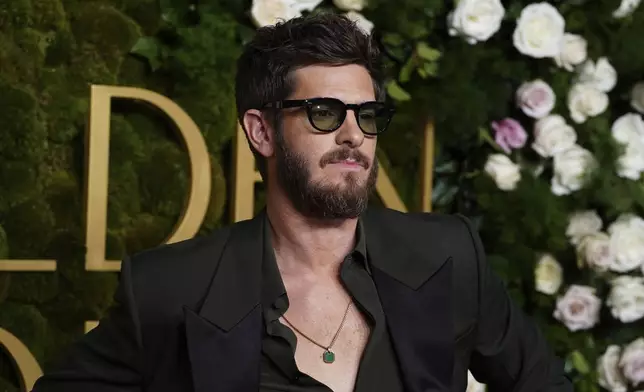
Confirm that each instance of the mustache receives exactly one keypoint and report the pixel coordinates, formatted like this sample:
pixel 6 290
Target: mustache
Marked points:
pixel 343 154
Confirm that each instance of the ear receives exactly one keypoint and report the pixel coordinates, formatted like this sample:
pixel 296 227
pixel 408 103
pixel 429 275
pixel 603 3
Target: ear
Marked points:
pixel 259 133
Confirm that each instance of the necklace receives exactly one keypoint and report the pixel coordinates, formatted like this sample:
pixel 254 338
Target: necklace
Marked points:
pixel 328 356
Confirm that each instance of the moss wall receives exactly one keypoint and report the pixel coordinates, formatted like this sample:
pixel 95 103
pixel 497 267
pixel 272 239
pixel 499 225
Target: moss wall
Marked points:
pixel 50 53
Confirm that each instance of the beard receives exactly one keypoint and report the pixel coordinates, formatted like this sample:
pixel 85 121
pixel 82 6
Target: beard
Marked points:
pixel 319 200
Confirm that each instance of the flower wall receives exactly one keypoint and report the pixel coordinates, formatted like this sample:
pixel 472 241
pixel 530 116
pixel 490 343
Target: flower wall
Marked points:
pixel 537 108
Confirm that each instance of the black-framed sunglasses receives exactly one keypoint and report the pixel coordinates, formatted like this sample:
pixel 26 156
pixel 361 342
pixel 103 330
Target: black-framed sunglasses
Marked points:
pixel 328 114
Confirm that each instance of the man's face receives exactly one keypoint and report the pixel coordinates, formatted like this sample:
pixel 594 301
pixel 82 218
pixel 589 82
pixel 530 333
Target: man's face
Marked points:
pixel 327 175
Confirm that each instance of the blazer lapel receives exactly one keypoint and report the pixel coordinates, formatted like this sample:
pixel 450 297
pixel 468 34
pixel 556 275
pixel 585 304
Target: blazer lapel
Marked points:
pixel 413 275
pixel 224 336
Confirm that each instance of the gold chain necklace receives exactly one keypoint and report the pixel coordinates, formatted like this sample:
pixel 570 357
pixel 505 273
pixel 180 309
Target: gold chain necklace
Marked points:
pixel 328 356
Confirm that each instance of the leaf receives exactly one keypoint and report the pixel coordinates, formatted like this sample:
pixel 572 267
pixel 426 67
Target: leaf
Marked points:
pixel 579 362
pixel 148 48
pixel 431 69
pixel 396 92
pixel 407 69
pixel 427 52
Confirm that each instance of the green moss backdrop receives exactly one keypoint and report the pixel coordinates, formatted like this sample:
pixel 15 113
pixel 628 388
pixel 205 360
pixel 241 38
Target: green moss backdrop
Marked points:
pixel 51 51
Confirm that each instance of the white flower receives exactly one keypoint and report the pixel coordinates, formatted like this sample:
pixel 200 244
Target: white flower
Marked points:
pixel 505 173
pixel 350 5
pixel 581 224
pixel 269 12
pixel 552 136
pixel 637 97
pixel 596 251
pixel 628 130
pixel 574 51
pixel 476 20
pixel 548 275
pixel 610 376
pixel 626 8
pixel 585 101
pixel 540 30
pixel 579 308
pixel 600 75
pixel 632 362
pixel 363 23
pixel 570 170
pixel 626 298
pixel 536 98
pixel 306 5
pixel 627 243
pixel 473 385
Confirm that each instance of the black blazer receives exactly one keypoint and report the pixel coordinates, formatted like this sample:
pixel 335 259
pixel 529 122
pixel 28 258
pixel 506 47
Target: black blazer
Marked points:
pixel 187 316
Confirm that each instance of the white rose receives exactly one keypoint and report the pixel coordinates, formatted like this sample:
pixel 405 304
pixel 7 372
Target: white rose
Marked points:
pixel 632 362
pixel 610 376
pixel 306 5
pixel 628 130
pixel 476 20
pixel 596 251
pixel 631 164
pixel 473 385
pixel 536 98
pixel 637 97
pixel 585 101
pixel 627 243
pixel 581 224
pixel 626 298
pixel 600 75
pixel 540 30
pixel 269 12
pixel 363 23
pixel 574 51
pixel 626 8
pixel 548 275
pixel 570 170
pixel 505 173
pixel 579 308
pixel 350 5
pixel 552 135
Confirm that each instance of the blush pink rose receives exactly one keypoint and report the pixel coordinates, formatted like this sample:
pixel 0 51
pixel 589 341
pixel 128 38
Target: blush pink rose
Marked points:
pixel 536 98
pixel 509 134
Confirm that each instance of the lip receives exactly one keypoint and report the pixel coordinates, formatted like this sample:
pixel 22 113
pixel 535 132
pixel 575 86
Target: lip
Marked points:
pixel 348 164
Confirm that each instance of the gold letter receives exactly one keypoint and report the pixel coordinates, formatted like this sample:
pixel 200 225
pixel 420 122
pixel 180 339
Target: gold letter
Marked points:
pixel 427 168
pixel 98 164
pixel 28 368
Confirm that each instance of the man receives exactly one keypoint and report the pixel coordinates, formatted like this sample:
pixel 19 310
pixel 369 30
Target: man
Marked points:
pixel 316 293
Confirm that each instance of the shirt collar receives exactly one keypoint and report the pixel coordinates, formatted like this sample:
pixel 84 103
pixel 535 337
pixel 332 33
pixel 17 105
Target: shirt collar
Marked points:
pixel 273 286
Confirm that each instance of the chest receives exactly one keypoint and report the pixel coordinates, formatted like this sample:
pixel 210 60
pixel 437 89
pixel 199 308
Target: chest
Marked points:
pixel 331 334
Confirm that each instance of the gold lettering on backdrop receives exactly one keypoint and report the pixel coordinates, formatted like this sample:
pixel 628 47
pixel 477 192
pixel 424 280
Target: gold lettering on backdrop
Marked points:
pixel 27 366
pixel 427 167
pixel 97 148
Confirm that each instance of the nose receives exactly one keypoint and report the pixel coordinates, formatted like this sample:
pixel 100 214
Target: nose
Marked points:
pixel 349 132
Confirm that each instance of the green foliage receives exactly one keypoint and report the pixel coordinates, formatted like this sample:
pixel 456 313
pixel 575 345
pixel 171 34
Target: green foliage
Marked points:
pixel 52 51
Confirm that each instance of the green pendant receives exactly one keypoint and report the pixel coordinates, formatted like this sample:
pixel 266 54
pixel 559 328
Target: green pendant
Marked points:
pixel 328 357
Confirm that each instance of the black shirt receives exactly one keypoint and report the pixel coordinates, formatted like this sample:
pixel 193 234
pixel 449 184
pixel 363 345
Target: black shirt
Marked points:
pixel 378 369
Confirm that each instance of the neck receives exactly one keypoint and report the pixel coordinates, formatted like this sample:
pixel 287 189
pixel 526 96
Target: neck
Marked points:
pixel 304 244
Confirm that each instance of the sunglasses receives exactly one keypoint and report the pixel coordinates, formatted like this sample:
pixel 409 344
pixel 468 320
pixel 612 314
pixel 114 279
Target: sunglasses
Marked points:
pixel 328 114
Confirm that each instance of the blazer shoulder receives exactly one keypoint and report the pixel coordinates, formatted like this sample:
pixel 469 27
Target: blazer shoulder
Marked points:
pixel 175 274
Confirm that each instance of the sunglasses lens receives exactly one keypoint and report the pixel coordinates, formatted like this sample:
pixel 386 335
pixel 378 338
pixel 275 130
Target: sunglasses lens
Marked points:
pixel 326 115
pixel 374 118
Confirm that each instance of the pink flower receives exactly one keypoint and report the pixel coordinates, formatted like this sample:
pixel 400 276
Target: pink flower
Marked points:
pixel 536 98
pixel 509 134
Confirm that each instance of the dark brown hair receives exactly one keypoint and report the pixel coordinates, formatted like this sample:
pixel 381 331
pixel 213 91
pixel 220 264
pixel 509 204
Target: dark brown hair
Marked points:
pixel 265 67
